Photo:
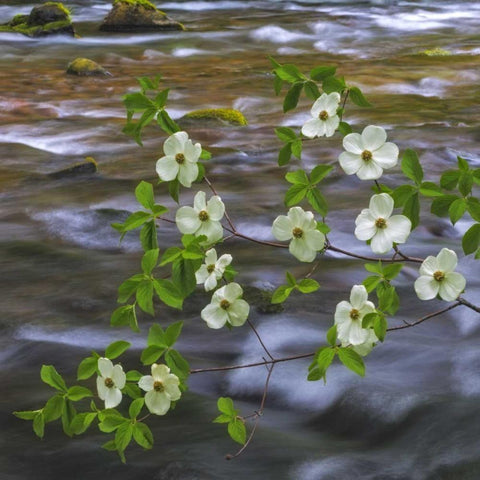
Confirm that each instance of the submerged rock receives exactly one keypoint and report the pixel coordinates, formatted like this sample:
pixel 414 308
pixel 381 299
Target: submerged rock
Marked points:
pixel 51 18
pixel 222 116
pixel 435 52
pixel 137 16
pixel 84 67
pixel 88 167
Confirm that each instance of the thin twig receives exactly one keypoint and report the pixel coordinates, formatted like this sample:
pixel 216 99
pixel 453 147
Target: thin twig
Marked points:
pixel 260 339
pixel 468 304
pixel 373 259
pixel 212 188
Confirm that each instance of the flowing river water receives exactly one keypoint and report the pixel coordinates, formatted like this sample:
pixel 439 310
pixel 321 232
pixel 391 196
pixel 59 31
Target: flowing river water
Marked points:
pixel 415 416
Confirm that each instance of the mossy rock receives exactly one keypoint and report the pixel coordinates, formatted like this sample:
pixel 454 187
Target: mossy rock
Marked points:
pixel 261 299
pixel 137 16
pixel 435 52
pixel 51 18
pixel 224 116
pixel 85 67
pixel 88 167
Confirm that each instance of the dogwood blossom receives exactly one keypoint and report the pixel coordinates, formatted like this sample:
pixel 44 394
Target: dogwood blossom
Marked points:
pixel 437 277
pixel 368 154
pixel 110 381
pixel 180 160
pixel 301 228
pixel 349 316
pixel 376 224
pixel 162 389
pixel 212 270
pixel 367 346
pixel 226 306
pixel 203 219
pixel 325 119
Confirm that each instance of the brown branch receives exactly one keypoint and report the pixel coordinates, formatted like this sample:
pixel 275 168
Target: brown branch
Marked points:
pixel 260 339
pixel 212 188
pixel 373 259
pixel 466 303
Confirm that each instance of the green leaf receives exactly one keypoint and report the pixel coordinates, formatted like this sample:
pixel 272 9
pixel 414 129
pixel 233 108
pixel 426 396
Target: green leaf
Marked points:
pixel 411 166
pixel 311 90
pixel 285 134
pixel 128 287
pixel 237 431
pixel 115 349
pixel 380 327
pixel 170 255
pixel 369 319
pixel 319 173
pixel 344 128
pixel 441 205
pixel 205 155
pixel 143 435
pixel 122 316
pixel 26 414
pixel 357 97
pixel 323 227
pixel 392 270
pixel 320 73
pixel 166 123
pixel 352 360
pixel 463 164
pixel 152 353
pixel 133 391
pixel 144 194
pixel 174 189
pixel 81 422
pixel 465 183
pixel 168 293
pixel 136 407
pixel 173 332
pixel 284 154
pixel 149 261
pixel 39 424
pixel 290 73
pixel 135 220
pixel 110 446
pixel 471 239
pixel 112 422
pixel 281 294
pixel 292 97
pixel 371 282
pixel 277 85
pixel 308 285
pixel 123 436
pixel 317 201
pixel 430 189
pixel 225 405
pixel 374 267
pixel 297 177
pixel 161 98
pixel 295 194
pixel 147 83
pixel 324 359
pixel 148 236
pixel 86 368
pixel 144 296
pixel 412 210
pixel 473 205
pixel 69 413
pixel 222 418
pixel 77 392
pixel 297 148
pixel 53 409
pixel 156 336
pixel 290 279
pixel 449 179
pixel 457 209
pixel 183 275
pixel 402 193
pixel 133 376
pixel 51 377
pixel 177 364
pixel 332 335
pixel 137 101
pixel 333 84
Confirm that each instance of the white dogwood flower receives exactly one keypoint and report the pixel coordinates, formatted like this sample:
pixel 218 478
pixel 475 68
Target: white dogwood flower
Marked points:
pixel 226 306
pixel 325 119
pixel 180 160
pixel 212 270
pixel 437 277
pixel 349 316
pixel 203 219
pixel 162 389
pixel 110 381
pixel 366 347
pixel 376 224
pixel 301 228
pixel 368 154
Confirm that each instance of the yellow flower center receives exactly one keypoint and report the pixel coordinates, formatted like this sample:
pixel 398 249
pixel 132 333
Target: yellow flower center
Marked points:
pixel 203 216
pixel 210 268
pixel 180 158
pixel 366 155
pixel 323 115
pixel 380 223
pixel 354 314
pixel 225 304
pixel 158 386
pixel 297 232
pixel 439 276
pixel 109 383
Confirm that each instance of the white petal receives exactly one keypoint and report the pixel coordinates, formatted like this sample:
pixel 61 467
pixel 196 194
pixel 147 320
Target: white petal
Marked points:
pixel 319 105
pixel 232 291
pixel 381 206
pixel 342 312
pixel 187 173
pixel 167 168
pixel 238 312
pixel 357 334
pixel 368 307
pixel 358 296
pixel 386 156
pixel 200 201
pixel 373 137
pixel 192 152
pixel 160 372
pixel 101 388
pixel 105 366
pixel 215 208
pixel 381 242
pixel 313 128
pixel 187 220
pixel 452 286
pixel 331 124
pixel 331 103
pixel 210 282
pixel 298 216
pixel 398 228
pixel 429 266
pixel 223 262
pixel 350 162
pixel 214 315
pixel 353 143
pixel 113 397
pixel 314 239
pixel 174 143
pixel 212 230
pixel 426 287
pixel 146 383
pixel 157 402
pixel 298 248
pixel 447 260
pixel 118 376
pixel 171 387
pixel 365 226
pixel 282 228
pixel 369 171
pixel 202 274
pixel 343 331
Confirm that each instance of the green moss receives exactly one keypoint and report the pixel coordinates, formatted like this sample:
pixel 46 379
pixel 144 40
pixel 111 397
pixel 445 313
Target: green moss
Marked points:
pixel 144 3
pixel 38 30
pixel 229 115
pixel 18 19
pixel 85 67
pixel 435 52
pixel 60 6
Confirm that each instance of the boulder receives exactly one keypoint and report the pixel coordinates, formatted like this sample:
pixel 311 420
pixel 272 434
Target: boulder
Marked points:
pixel 218 116
pixel 51 18
pixel 88 167
pixel 85 67
pixel 137 16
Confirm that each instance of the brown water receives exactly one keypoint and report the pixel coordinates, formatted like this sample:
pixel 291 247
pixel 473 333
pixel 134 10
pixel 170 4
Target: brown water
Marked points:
pixel 415 414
